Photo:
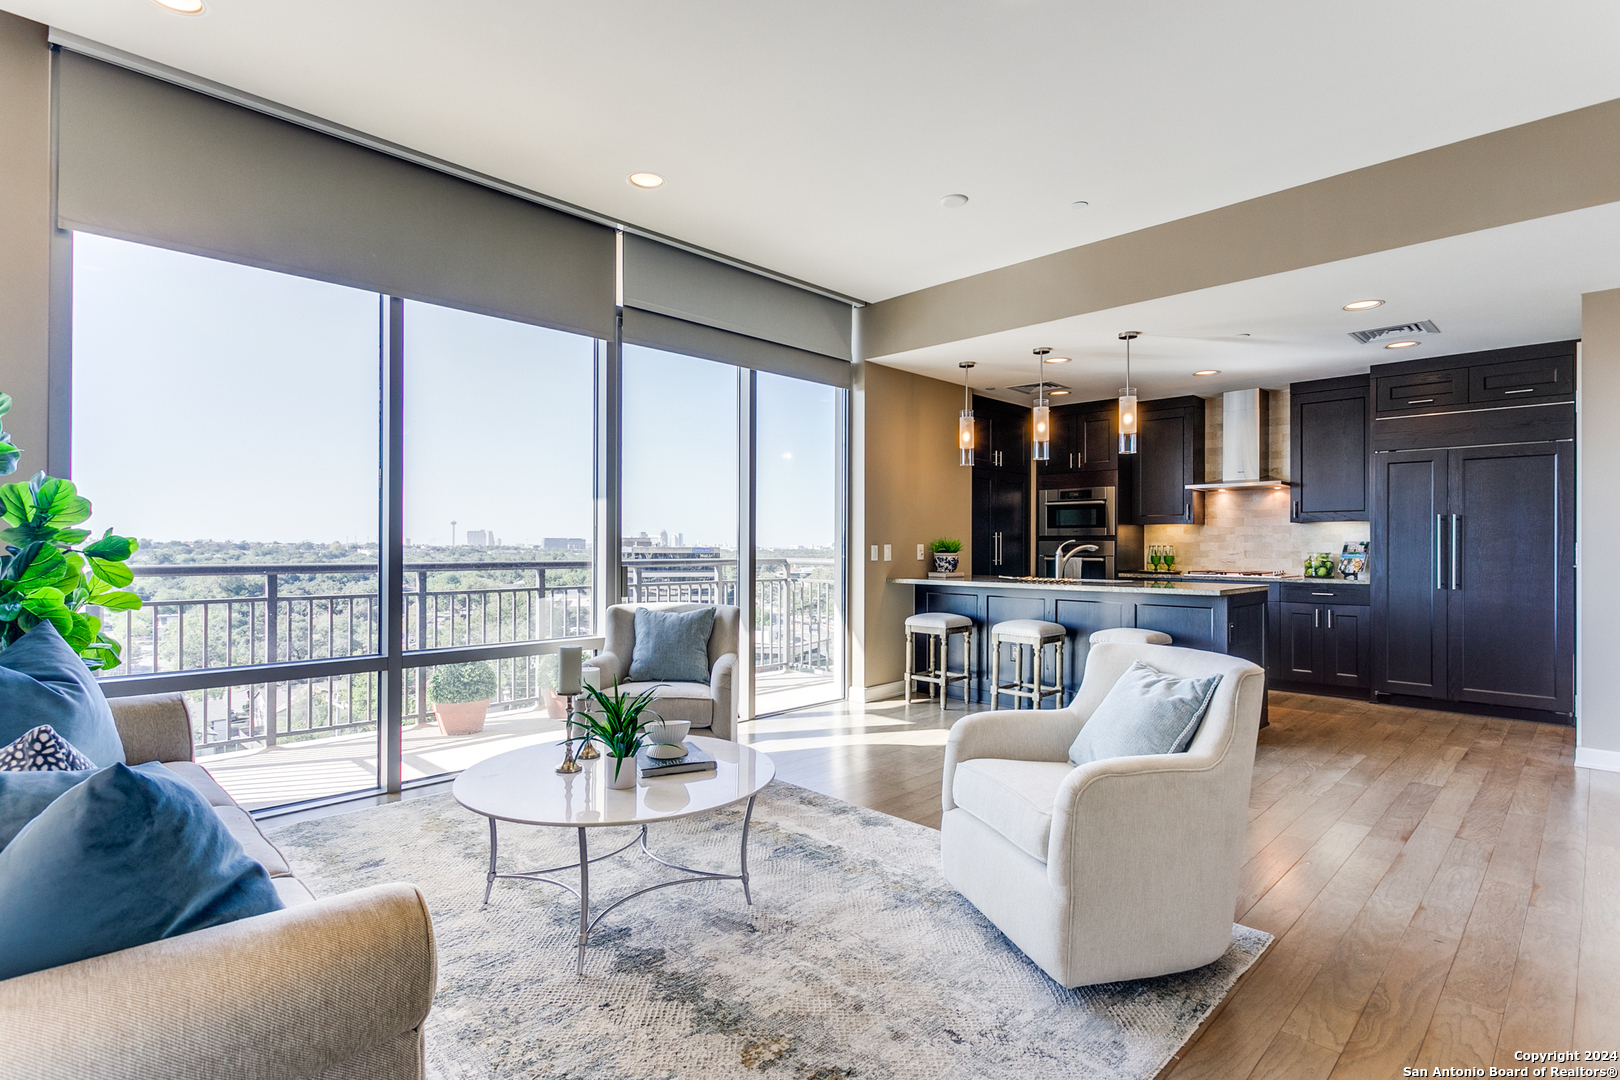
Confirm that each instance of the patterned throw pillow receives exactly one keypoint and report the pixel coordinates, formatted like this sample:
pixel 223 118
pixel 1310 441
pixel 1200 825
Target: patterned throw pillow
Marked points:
pixel 41 749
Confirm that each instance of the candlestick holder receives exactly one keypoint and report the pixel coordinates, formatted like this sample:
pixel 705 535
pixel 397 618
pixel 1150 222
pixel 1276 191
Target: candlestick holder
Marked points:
pixel 569 762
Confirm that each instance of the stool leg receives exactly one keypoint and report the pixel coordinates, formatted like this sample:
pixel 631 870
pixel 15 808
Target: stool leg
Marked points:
pixel 1040 658
pixel 933 663
pixel 1059 679
pixel 995 672
pixel 911 664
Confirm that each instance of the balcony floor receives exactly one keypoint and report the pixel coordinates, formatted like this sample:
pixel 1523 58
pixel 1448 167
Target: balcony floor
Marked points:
pixel 319 768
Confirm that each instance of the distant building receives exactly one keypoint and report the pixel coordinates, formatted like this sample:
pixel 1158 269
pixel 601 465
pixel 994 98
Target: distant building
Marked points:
pixel 565 543
pixel 482 538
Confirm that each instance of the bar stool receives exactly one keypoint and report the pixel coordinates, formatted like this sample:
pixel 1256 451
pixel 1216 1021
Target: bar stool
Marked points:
pixel 938 627
pixel 1037 634
pixel 1126 635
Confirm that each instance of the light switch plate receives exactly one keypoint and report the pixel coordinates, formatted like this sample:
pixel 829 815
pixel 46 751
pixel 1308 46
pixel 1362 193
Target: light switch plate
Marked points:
pixel 874 553
pixel 919 551
pixel 888 553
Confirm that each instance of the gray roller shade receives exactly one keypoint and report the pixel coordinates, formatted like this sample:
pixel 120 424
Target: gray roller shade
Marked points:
pixel 141 159
pixel 677 335
pixel 668 281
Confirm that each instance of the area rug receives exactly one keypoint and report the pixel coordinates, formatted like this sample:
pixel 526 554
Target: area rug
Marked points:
pixel 856 959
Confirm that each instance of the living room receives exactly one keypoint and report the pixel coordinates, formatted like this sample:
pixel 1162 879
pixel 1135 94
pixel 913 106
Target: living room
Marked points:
pixel 423 378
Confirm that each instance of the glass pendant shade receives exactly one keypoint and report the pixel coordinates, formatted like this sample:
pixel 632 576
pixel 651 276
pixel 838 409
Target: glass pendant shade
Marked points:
pixel 964 436
pixel 1127 421
pixel 1043 433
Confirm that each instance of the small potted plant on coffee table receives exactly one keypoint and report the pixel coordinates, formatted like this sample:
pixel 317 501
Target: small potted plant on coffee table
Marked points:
pixel 461 694
pixel 615 721
pixel 946 552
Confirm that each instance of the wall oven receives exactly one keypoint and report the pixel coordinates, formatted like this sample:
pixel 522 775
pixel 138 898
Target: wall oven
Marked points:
pixel 1062 513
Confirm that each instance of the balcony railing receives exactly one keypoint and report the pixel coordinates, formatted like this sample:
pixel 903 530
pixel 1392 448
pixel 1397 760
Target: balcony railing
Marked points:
pixel 273 614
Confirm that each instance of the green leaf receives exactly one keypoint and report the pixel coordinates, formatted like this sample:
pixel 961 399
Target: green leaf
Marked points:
pixel 117 548
pixel 69 537
pixel 17 503
pixel 27 533
pixel 102 654
pixel 46 606
pixel 5 404
pixel 113 573
pixel 48 568
pixel 114 600
pixel 57 502
pixel 9 455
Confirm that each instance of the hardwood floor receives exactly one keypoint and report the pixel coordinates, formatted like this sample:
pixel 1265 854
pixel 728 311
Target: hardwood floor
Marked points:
pixel 1444 889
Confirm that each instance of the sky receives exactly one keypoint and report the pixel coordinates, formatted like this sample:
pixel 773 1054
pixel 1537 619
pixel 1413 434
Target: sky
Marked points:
pixel 224 402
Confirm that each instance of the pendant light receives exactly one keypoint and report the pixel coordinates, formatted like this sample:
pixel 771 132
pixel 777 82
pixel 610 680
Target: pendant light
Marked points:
pixel 1043 415
pixel 1127 400
pixel 964 426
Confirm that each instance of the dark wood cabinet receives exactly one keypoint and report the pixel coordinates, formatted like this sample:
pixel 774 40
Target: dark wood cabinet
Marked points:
pixel 1328 433
pixel 1085 438
pixel 1001 435
pixel 1473 556
pixel 1000 523
pixel 1170 455
pixel 1525 374
pixel 1418 390
pixel 1324 644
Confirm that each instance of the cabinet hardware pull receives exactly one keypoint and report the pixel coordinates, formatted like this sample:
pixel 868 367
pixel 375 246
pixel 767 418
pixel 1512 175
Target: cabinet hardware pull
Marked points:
pixel 1316 617
pixel 1439 566
pixel 1526 390
pixel 1296 508
pixel 1421 401
pixel 1454 520
pixel 1330 618
pixel 1321 594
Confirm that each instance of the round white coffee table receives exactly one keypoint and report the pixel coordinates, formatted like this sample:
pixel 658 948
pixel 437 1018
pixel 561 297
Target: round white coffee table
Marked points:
pixel 523 786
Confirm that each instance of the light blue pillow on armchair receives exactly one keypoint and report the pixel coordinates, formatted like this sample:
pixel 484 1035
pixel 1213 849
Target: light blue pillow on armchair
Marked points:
pixel 671 646
pixel 1146 712
pixel 43 681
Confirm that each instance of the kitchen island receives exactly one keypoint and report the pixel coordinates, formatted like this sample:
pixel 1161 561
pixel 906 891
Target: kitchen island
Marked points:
pixel 1219 616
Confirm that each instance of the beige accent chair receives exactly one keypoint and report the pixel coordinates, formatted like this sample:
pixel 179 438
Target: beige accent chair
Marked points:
pixel 333 989
pixel 1119 869
pixel 710 706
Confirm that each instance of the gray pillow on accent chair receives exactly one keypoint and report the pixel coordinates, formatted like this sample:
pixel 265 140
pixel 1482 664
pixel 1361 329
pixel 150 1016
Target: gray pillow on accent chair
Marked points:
pixel 672 646
pixel 1146 712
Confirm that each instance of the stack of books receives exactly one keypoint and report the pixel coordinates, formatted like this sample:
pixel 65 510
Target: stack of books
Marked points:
pixel 694 760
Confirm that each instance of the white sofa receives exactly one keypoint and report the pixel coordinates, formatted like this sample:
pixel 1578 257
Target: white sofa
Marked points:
pixel 712 706
pixel 1119 869
pixel 329 989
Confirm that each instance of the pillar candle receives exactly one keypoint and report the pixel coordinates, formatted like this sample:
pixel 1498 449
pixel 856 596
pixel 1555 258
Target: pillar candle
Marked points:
pixel 568 672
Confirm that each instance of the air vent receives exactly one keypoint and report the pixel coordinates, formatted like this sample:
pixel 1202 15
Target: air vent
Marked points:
pixel 1030 388
pixel 1405 329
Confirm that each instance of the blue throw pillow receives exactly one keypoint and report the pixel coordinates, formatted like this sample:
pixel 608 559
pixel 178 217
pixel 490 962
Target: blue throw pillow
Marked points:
pixel 1146 712
pixel 126 857
pixel 43 681
pixel 671 646
pixel 23 795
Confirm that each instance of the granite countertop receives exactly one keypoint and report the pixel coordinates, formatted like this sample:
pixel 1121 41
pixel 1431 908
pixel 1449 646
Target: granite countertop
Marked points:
pixel 1292 579
pixel 1195 588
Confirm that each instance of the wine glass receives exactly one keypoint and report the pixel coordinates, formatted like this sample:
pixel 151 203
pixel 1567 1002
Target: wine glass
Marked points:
pixel 1169 557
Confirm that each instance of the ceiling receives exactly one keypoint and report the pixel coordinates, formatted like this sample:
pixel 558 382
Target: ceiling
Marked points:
pixel 1515 285
pixel 817 139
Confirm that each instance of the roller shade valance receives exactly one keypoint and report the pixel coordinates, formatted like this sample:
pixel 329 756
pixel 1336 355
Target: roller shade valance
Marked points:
pixel 141 159
pixel 691 339
pixel 668 281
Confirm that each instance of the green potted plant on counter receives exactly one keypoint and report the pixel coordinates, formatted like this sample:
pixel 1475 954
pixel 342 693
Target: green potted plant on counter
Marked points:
pixel 461 694
pixel 615 721
pixel 947 554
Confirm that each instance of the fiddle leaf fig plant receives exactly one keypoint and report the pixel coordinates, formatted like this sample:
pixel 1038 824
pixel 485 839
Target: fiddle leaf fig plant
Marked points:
pixel 45 573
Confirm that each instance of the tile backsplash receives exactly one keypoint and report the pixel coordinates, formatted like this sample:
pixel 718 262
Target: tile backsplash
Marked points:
pixel 1249 529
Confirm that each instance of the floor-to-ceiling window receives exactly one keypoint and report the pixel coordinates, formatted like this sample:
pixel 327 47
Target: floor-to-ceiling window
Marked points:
pixel 226 417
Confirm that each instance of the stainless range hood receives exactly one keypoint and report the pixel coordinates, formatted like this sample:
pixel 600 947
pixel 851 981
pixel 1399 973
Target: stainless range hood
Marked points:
pixel 1245 442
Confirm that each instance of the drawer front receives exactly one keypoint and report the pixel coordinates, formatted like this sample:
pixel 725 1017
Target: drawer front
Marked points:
pixel 1326 593
pixel 1522 380
pixel 1421 390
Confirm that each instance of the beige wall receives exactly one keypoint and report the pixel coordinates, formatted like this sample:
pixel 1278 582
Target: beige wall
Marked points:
pixel 906 489
pixel 25 233
pixel 1597 632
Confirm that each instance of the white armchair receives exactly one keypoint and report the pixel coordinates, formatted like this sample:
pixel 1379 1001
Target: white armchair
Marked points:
pixel 1119 869
pixel 710 706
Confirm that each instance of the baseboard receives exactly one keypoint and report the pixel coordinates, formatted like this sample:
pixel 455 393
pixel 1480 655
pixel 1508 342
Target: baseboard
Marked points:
pixel 862 695
pixel 1588 758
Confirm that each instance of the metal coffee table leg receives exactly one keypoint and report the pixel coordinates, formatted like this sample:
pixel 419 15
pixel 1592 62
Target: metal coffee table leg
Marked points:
pixel 489 879
pixel 748 816
pixel 584 901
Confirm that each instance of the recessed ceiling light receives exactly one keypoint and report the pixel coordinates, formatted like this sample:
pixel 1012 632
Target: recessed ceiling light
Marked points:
pixel 182 7
pixel 1207 371
pixel 954 202
pixel 646 179
pixel 1056 359
pixel 1079 204
pixel 1362 305
pixel 1400 344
